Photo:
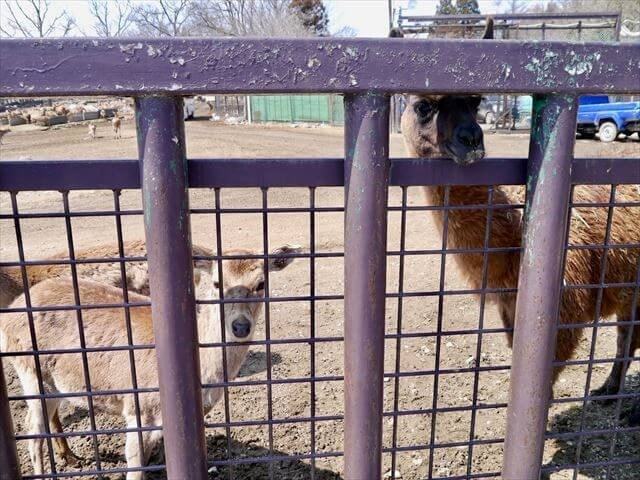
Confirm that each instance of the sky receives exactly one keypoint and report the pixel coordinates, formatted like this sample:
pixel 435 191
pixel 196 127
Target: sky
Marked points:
pixel 368 18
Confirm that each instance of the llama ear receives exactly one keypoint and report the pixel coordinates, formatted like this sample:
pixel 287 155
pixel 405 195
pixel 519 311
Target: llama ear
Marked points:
pixel 396 32
pixel 488 32
pixel 280 258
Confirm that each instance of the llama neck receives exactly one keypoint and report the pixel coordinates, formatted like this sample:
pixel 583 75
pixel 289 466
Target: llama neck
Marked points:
pixel 466 229
pixel 210 331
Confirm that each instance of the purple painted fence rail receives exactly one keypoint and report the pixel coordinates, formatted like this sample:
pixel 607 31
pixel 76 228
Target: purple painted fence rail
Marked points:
pixel 158 72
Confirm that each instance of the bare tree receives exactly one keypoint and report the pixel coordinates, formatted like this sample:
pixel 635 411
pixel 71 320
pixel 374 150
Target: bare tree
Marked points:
pixel 33 18
pixel 164 18
pixel 236 18
pixel 112 19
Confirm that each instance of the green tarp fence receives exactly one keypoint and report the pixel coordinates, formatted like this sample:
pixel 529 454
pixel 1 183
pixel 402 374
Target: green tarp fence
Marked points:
pixel 297 108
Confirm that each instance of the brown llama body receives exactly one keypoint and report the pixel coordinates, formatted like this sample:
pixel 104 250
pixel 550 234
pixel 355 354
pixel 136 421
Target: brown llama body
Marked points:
pixel 466 230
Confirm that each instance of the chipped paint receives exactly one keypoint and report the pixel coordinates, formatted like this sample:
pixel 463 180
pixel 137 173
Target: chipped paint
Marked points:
pixel 153 51
pixel 130 48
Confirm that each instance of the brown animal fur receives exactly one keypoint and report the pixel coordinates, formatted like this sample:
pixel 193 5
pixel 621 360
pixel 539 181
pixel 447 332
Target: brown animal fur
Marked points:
pixel 466 230
pixel 137 276
pixel 110 369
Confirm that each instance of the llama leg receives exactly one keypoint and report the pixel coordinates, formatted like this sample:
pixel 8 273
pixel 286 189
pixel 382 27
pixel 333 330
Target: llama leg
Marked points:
pixel 634 415
pixel 60 444
pixel 507 308
pixel 566 344
pixel 613 383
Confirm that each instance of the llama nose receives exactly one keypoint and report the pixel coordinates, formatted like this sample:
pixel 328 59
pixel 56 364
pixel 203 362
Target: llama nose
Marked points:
pixel 241 327
pixel 469 136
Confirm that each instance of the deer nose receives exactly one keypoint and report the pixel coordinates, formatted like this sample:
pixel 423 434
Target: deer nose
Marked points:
pixel 470 136
pixel 241 327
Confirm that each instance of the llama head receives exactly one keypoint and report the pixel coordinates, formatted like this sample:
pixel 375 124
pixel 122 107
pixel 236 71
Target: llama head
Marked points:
pixel 444 125
pixel 244 279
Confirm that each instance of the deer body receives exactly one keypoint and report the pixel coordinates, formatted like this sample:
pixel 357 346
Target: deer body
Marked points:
pixel 137 276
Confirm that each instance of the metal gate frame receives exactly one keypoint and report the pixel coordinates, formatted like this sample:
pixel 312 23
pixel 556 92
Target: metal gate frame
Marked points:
pixel 158 72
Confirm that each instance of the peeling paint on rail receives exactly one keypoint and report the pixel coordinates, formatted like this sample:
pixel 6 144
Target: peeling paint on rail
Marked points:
pixel 191 66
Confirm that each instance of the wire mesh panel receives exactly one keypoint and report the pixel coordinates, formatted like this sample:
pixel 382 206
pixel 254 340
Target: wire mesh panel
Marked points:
pixel 211 314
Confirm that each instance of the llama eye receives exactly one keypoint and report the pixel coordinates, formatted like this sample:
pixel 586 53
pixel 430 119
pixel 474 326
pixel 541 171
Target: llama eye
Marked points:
pixel 260 287
pixel 216 284
pixel 424 110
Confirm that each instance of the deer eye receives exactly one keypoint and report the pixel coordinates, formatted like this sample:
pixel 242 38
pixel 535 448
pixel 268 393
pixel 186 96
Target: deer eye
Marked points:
pixel 424 110
pixel 260 287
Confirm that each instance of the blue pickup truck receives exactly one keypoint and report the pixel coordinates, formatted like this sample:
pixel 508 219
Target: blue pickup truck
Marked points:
pixel 597 115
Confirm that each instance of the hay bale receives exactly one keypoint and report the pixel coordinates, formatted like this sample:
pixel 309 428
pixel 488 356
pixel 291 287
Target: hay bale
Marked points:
pixel 40 120
pixel 13 121
pixel 75 117
pixel 90 115
pixel 108 112
pixel 57 120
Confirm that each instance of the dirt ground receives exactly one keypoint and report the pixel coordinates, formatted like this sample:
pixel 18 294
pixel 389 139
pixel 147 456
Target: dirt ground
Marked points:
pixel 43 237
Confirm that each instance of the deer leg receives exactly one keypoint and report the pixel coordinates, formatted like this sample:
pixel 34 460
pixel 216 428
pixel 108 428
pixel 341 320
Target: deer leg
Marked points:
pixel 60 444
pixel 138 455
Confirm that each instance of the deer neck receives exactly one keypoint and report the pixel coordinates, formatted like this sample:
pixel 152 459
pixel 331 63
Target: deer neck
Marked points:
pixel 212 362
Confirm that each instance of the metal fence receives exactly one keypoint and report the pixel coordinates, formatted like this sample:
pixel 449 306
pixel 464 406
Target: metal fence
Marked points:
pixel 376 412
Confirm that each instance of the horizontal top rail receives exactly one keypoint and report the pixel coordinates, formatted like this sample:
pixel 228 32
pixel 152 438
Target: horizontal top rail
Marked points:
pixel 180 66
pixel 299 172
pixel 510 16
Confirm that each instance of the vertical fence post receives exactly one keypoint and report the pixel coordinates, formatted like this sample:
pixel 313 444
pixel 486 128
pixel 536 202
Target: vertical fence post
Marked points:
pixel 9 467
pixel 161 147
pixel 366 186
pixel 549 182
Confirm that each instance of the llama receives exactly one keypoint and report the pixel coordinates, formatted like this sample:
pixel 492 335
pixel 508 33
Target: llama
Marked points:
pixel 92 131
pixel 116 123
pixel 137 277
pixel 243 279
pixel 446 126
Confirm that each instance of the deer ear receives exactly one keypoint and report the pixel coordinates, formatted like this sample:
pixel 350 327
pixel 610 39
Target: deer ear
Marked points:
pixel 280 259
pixel 488 32
pixel 396 32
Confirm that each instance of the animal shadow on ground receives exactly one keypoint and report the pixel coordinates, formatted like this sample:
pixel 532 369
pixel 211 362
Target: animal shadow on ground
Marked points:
pixel 256 362
pixel 598 416
pixel 285 469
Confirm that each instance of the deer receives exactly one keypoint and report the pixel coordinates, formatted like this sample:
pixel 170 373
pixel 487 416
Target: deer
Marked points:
pixel 92 131
pixel 445 125
pixel 116 124
pixel 243 279
pixel 136 278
